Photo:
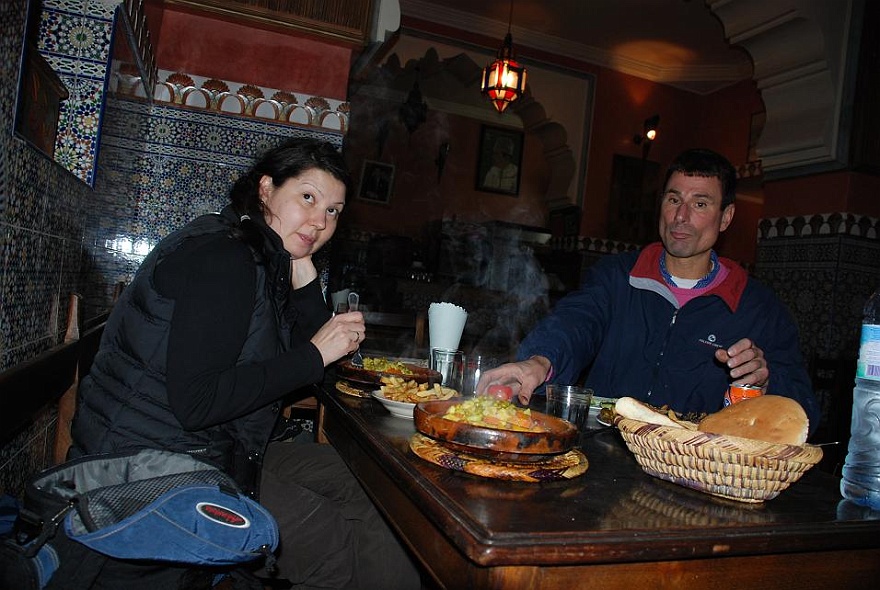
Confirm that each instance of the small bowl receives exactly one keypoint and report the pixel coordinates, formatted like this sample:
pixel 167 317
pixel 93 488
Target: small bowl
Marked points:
pixel 397 409
pixel 557 436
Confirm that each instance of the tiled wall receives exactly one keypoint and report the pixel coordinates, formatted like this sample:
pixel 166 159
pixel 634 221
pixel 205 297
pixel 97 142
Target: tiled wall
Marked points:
pixel 823 267
pixel 162 166
pixel 43 212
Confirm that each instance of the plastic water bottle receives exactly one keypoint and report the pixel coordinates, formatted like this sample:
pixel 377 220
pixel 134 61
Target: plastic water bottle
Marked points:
pixel 861 470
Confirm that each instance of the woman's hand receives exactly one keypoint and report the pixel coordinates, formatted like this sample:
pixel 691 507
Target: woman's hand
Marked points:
pixel 302 271
pixel 340 336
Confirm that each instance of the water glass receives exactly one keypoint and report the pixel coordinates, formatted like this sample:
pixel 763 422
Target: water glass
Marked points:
pixel 450 364
pixel 570 402
pixel 475 366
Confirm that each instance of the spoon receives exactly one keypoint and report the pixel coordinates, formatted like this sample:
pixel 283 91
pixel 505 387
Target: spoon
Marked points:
pixel 353 301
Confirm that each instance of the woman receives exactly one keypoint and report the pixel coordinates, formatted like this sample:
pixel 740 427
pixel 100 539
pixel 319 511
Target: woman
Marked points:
pixel 224 318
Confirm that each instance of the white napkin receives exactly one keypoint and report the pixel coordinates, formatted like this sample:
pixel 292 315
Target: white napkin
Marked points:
pixel 445 325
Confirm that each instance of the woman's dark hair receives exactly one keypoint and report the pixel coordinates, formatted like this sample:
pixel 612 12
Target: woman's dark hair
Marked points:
pixel 287 160
pixel 706 163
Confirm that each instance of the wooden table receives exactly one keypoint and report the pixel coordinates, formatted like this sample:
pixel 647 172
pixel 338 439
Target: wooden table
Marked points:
pixel 613 527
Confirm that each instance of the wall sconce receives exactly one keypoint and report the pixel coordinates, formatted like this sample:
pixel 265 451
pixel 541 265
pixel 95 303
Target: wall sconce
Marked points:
pixel 649 133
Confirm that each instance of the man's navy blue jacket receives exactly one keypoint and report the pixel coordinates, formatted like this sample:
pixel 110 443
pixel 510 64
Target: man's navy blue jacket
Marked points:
pixel 625 326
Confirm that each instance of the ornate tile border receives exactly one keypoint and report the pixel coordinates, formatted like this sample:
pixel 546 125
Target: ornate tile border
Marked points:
pixel 236 98
pixel 819 224
pixel 587 244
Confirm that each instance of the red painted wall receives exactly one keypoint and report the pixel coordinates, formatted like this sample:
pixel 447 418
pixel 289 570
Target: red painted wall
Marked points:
pixel 622 103
pixel 832 192
pixel 726 128
pixel 719 121
pixel 196 44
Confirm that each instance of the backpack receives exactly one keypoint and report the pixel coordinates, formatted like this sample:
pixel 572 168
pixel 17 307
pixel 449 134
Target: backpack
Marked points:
pixel 140 520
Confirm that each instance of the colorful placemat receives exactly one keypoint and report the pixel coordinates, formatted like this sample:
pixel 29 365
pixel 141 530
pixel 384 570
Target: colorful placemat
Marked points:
pixel 349 389
pixel 559 467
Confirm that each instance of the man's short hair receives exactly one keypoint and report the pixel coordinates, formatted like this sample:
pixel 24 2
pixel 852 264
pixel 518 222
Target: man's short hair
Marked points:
pixel 709 164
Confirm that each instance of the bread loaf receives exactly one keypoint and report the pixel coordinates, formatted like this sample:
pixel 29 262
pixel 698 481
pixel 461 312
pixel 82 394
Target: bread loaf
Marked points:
pixel 771 418
pixel 633 409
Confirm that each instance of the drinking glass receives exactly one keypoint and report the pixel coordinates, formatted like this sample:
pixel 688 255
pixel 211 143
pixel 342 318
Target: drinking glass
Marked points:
pixel 570 402
pixel 450 364
pixel 474 366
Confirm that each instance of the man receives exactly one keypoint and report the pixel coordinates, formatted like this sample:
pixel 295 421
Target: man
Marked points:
pixel 673 324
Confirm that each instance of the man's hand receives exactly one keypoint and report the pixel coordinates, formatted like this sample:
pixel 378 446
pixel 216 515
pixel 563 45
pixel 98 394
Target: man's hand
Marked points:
pixel 522 377
pixel 746 363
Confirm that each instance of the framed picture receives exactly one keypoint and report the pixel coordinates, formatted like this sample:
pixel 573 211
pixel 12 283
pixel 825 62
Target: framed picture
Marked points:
pixel 499 160
pixel 377 179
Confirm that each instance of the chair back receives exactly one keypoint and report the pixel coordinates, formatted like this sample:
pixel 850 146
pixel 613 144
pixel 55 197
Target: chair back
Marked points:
pixel 400 334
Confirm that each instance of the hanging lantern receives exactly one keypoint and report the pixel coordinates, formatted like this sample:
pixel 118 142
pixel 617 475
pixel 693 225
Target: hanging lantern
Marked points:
pixel 504 80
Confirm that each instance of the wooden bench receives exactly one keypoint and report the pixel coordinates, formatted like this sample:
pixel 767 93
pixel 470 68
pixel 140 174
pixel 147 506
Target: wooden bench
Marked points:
pixel 50 378
pixel 33 385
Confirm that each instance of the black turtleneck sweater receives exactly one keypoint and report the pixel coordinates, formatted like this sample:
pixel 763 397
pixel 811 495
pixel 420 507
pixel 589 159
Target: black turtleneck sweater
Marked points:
pixel 212 282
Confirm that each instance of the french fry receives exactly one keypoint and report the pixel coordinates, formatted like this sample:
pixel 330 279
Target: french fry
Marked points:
pixel 402 390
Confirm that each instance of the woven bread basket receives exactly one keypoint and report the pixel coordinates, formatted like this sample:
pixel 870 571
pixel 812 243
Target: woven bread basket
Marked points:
pixel 735 468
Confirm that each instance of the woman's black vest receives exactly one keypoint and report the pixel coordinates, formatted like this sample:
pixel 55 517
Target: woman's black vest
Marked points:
pixel 123 402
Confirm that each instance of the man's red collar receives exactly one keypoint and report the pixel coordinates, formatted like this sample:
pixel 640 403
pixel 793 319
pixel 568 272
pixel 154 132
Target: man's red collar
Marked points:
pixel 730 290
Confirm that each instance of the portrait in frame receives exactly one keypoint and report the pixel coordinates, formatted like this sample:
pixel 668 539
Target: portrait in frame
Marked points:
pixel 499 160
pixel 377 180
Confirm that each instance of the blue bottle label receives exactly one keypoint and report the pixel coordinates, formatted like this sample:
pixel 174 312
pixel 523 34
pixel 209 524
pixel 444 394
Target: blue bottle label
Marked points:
pixel 868 366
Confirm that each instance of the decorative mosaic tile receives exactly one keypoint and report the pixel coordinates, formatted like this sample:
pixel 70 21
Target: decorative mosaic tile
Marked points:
pixel 78 35
pixel 76 43
pixel 74 67
pixel 76 145
pixel 824 280
pixel 29 452
pixel 96 8
pixel 22 307
pixel 27 183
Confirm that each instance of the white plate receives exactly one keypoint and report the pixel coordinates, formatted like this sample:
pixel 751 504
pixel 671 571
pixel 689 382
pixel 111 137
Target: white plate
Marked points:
pixel 397 409
pixel 597 403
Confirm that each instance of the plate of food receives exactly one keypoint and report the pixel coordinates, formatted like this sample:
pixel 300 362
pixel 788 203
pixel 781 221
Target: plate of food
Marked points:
pixel 605 407
pixel 491 427
pixel 377 367
pixel 400 395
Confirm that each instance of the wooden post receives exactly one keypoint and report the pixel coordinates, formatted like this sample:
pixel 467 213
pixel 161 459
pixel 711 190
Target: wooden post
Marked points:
pixel 67 402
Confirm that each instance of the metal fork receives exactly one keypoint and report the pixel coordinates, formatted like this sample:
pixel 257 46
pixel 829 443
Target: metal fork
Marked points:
pixel 353 301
